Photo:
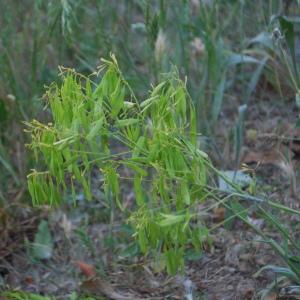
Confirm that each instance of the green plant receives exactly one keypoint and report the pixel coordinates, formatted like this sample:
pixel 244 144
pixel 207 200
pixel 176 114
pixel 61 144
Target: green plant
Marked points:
pixel 288 249
pixel 17 295
pixel 103 126
pixel 286 246
pixel 94 129
pixel 279 44
pixel 77 33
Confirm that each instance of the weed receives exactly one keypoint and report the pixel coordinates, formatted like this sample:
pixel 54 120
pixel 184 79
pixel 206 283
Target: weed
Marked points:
pixel 157 142
pixel 103 126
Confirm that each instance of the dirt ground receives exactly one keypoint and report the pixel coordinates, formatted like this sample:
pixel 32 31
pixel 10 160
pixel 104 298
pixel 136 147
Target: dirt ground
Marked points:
pixel 225 271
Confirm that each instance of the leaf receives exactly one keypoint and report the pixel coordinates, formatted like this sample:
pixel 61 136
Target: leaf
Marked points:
pixel 16 295
pixel 278 270
pixel 130 251
pixel 297 98
pixel 42 247
pixel 7 165
pixel 147 103
pixel 218 98
pixel 138 189
pixel 95 129
pixel 139 147
pixel 263 38
pixel 117 100
pixel 126 122
pixel 219 214
pixel 238 177
pixel 235 59
pixel 174 260
pixel 289 34
pixel 86 269
pixel 238 133
pixel 193 126
pixel 185 194
pixel 112 183
pixel 171 220
pixel 254 79
pixel 142 241
pixel 136 168
pixel 3 111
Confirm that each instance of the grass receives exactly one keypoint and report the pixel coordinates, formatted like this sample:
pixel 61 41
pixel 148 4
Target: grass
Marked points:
pixel 223 51
pixel 157 141
pixel 62 34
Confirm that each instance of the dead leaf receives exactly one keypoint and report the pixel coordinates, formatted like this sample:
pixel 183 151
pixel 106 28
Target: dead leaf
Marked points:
pixel 86 269
pixel 28 279
pixel 271 296
pixel 219 214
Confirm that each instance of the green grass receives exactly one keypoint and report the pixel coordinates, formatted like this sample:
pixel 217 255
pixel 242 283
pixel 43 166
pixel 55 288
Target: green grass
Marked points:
pixel 219 49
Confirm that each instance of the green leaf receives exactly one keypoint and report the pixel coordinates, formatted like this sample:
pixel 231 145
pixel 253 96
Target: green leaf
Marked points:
pixel 117 99
pixel 42 247
pixel 170 220
pixel 112 182
pixel 139 147
pixel 218 98
pixel 142 172
pixel 238 133
pixel 142 241
pixel 184 192
pixel 297 98
pixel 174 260
pixel 3 111
pixel 16 295
pixel 126 122
pixel 7 165
pixel 238 177
pixel 235 59
pixel 95 129
pixel 289 34
pixel 264 39
pixel 137 182
pixel 279 270
pixel 254 79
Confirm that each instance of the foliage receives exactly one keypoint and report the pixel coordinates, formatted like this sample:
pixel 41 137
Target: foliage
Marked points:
pixel 42 246
pixel 289 251
pixel 204 39
pixel 16 295
pixel 102 125
pixel 156 140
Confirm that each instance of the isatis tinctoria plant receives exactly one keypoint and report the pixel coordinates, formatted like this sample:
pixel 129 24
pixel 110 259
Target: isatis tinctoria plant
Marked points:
pixel 102 127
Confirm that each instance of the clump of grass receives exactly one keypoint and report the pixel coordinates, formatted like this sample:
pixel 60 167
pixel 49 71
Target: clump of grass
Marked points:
pixel 169 172
pixel 102 125
pixel 157 142
pixel 78 33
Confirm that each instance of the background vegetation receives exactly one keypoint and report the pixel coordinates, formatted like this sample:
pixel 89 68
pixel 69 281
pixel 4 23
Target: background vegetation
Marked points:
pixel 239 61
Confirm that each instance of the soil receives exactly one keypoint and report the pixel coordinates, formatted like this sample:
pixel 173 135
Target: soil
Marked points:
pixel 226 270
